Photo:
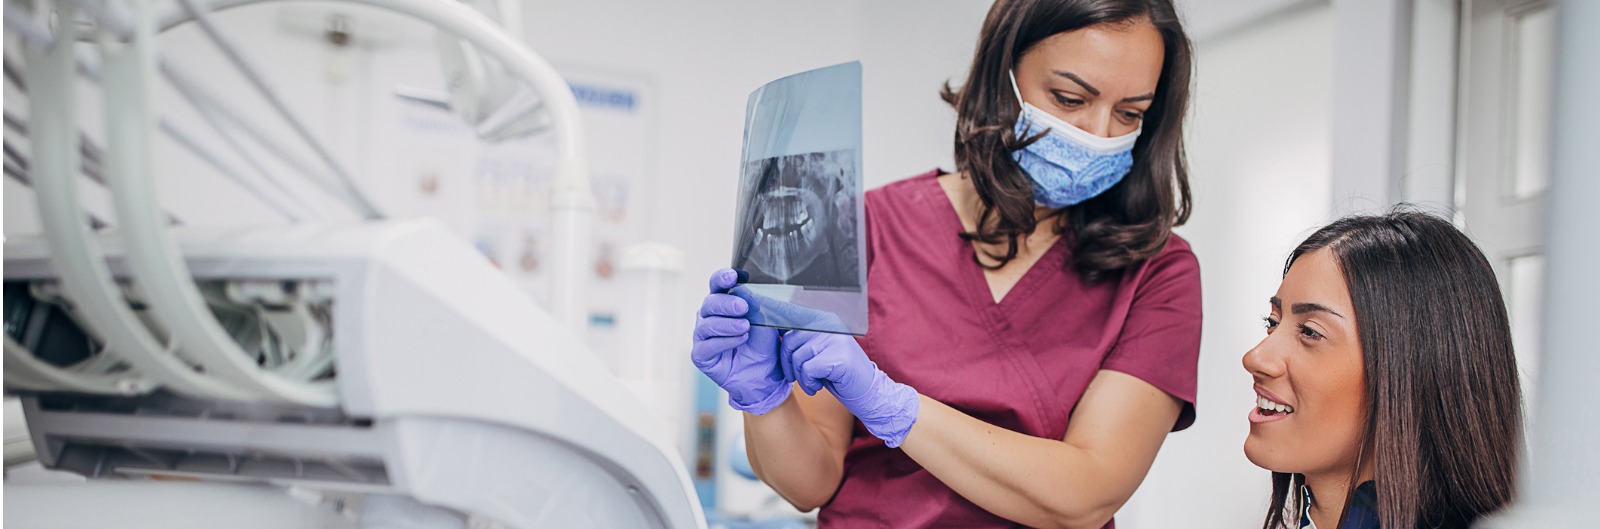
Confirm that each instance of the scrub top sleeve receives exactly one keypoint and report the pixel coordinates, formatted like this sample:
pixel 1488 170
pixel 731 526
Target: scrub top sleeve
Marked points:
pixel 1160 340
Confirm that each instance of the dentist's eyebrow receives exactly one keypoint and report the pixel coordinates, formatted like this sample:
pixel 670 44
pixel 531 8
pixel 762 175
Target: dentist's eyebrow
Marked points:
pixel 1095 91
pixel 1079 80
pixel 1302 308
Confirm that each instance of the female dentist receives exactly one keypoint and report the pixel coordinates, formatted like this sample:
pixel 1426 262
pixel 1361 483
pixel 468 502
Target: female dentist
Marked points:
pixel 1035 323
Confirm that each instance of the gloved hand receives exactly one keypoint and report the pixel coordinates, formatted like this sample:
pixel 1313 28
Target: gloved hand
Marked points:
pixel 836 361
pixel 741 358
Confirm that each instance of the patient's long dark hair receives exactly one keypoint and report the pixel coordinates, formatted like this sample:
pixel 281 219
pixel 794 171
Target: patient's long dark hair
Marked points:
pixel 1124 225
pixel 1443 402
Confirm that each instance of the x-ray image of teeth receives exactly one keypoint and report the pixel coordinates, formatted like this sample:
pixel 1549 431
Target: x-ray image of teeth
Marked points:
pixel 798 221
pixel 798 229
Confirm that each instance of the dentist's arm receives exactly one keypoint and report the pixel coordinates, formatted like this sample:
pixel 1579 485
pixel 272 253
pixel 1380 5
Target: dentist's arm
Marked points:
pixel 795 444
pixel 1078 481
pixel 798 448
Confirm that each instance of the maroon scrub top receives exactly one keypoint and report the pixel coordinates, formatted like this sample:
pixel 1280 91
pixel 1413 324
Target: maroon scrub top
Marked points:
pixel 1020 364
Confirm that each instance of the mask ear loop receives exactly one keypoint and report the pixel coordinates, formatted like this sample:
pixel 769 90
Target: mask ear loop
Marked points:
pixel 1022 106
pixel 1014 90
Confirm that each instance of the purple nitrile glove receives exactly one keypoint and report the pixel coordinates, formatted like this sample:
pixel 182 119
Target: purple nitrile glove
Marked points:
pixel 835 361
pixel 741 358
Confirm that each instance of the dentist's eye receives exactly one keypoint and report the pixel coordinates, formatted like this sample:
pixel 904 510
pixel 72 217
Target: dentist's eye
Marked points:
pixel 1270 323
pixel 1066 100
pixel 1132 117
pixel 1309 333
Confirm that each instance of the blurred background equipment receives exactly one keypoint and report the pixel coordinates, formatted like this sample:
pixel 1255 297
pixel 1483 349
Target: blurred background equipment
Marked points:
pixel 334 368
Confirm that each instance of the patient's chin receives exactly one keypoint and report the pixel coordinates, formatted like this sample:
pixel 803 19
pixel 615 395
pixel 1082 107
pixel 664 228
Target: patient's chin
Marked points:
pixel 1267 455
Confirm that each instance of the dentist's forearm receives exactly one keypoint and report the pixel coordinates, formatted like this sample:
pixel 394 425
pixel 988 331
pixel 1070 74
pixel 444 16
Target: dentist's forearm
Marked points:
pixel 1030 480
pixel 1112 437
pixel 790 454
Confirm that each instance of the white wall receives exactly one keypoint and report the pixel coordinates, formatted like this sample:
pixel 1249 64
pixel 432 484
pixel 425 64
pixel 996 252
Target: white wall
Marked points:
pixel 1258 148
pixel 908 51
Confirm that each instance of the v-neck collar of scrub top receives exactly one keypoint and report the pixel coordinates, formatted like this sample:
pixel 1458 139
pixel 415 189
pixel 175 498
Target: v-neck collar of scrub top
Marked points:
pixel 978 283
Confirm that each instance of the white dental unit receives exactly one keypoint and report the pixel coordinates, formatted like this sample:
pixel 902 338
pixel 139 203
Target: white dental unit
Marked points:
pixel 365 374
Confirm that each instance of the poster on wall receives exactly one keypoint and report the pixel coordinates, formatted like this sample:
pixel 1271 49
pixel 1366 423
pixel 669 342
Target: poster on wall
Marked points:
pixel 497 195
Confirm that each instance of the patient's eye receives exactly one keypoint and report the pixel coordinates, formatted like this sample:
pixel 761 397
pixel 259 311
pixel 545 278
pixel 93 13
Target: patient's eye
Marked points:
pixel 1310 333
pixel 1270 323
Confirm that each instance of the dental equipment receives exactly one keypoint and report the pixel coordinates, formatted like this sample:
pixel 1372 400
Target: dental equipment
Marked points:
pixel 382 372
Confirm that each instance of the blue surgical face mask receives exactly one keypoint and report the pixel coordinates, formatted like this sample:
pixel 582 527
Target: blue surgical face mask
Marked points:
pixel 1068 165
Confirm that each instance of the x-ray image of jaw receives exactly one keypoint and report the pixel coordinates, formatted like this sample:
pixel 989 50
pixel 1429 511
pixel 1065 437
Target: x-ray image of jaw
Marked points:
pixel 798 221
pixel 785 232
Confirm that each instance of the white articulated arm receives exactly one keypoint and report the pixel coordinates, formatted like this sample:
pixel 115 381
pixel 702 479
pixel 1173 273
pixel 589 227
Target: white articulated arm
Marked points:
pixel 216 366
pixel 152 256
pixel 81 264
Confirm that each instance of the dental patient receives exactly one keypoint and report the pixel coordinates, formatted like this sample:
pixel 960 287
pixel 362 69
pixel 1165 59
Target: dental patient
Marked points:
pixel 1387 391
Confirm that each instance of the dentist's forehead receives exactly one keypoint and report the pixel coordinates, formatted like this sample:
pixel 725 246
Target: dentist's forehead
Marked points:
pixel 1119 59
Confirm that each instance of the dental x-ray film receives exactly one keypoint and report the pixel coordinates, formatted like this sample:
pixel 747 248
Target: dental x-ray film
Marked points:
pixel 799 232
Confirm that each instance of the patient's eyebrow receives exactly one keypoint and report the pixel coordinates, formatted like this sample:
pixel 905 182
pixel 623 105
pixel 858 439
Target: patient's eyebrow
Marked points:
pixel 1276 303
pixel 1302 308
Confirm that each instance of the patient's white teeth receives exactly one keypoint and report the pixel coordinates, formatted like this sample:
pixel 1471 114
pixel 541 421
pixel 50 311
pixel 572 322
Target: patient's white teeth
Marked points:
pixel 1268 405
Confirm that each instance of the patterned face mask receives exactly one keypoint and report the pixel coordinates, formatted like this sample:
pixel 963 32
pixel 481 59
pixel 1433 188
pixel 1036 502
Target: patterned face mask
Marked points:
pixel 1068 165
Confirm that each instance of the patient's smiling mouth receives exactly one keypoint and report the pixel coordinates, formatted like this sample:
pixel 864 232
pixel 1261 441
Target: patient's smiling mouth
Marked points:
pixel 1269 408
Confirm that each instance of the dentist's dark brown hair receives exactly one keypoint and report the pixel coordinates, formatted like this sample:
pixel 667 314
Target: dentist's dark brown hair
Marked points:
pixel 1124 225
pixel 1444 405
